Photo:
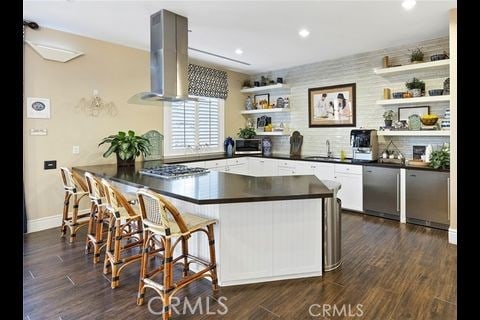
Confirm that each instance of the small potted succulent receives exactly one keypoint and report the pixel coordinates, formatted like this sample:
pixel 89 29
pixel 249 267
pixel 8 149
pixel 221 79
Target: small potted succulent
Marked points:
pixel 416 55
pixel 388 117
pixel 416 87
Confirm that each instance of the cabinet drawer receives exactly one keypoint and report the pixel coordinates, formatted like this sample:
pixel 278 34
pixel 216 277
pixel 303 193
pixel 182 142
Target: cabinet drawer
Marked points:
pixel 233 162
pixel 215 163
pixel 345 168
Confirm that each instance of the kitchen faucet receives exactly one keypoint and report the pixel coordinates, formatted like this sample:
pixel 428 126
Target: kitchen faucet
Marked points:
pixel 329 153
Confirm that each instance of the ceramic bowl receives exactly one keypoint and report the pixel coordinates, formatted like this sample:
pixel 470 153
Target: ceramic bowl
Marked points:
pixel 397 95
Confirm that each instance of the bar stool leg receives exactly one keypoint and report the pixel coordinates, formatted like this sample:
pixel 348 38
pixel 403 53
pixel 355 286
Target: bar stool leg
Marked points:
pixel 66 204
pixel 167 279
pixel 73 231
pixel 91 223
pixel 109 249
pixel 98 235
pixel 213 261
pixel 186 266
pixel 143 267
pixel 116 254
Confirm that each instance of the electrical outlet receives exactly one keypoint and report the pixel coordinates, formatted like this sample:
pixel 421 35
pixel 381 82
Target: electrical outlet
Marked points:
pixel 76 149
pixel 50 164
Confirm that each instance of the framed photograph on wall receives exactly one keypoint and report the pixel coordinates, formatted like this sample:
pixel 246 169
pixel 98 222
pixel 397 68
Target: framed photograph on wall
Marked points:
pixel 405 112
pixel 38 108
pixel 332 106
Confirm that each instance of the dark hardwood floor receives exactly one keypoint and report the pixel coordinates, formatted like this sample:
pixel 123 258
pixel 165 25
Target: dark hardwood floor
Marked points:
pixel 390 271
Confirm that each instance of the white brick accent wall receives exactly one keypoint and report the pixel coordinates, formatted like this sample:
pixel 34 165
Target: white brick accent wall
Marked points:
pixel 359 69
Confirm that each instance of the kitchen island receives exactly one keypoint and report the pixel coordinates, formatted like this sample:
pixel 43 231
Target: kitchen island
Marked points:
pixel 269 228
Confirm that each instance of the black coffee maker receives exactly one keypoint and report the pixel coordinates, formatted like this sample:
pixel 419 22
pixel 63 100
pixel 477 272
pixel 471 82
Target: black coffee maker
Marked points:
pixel 364 144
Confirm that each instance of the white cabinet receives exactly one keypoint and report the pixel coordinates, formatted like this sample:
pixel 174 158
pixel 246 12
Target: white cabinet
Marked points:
pixel 237 166
pixel 259 167
pixel 324 171
pixel 290 168
pixel 196 164
pixel 216 165
pixel 351 191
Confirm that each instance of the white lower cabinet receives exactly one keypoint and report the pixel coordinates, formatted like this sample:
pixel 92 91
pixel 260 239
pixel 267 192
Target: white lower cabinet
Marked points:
pixel 216 165
pixel 259 167
pixel 237 166
pixel 323 171
pixel 351 191
pixel 196 164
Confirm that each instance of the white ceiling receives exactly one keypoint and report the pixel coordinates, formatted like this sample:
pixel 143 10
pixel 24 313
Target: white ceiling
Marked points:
pixel 266 31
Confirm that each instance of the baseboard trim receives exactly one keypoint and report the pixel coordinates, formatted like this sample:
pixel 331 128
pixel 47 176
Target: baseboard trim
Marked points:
pixel 40 224
pixel 452 236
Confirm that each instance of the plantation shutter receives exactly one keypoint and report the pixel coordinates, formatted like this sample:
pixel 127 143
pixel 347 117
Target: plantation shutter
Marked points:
pixel 208 122
pixel 196 124
pixel 183 124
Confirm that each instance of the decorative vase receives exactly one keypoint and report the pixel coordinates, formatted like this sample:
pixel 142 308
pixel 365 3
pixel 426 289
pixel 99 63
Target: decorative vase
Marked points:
pixel 267 147
pixel 228 145
pixel 125 163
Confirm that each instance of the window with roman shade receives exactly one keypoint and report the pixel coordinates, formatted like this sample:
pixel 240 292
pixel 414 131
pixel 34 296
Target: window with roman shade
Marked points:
pixel 197 126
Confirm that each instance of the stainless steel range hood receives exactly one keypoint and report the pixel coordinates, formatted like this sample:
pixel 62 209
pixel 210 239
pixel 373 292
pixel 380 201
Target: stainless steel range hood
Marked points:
pixel 168 60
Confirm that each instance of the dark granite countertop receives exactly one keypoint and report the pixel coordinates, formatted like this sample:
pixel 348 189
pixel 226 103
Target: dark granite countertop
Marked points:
pixel 215 187
pixel 218 156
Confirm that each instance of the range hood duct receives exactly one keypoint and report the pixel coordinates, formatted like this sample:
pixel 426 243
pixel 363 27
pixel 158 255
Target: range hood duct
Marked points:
pixel 168 60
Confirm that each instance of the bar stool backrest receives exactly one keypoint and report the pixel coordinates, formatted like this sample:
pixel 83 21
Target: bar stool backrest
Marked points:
pixel 95 188
pixel 116 200
pixel 156 209
pixel 72 181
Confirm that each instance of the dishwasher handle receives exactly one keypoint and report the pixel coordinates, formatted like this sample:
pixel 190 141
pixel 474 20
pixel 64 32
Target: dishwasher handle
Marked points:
pixel 448 197
pixel 398 192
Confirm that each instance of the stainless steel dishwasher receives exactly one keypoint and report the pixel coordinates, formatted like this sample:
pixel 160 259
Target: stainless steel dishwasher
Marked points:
pixel 428 194
pixel 381 191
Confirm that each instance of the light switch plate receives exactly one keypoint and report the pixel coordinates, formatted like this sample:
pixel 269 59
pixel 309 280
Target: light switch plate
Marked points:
pixel 38 132
pixel 76 149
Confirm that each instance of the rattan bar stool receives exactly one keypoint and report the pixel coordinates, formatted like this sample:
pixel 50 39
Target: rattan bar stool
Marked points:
pixel 75 187
pixel 124 224
pixel 98 217
pixel 162 221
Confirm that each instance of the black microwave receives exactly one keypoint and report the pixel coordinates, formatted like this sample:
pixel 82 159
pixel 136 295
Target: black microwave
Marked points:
pixel 248 146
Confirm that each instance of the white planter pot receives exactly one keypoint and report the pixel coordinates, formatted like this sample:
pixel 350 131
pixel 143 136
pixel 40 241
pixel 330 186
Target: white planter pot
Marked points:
pixel 416 92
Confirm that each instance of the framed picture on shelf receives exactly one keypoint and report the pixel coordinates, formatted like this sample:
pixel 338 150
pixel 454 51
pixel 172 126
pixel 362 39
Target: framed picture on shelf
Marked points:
pixel 261 99
pixel 332 106
pixel 405 112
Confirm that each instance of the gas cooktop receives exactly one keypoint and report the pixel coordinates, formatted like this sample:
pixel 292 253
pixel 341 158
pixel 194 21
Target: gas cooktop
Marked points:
pixel 173 171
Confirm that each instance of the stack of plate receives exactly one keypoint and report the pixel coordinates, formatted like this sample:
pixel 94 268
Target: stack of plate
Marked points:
pixel 445 124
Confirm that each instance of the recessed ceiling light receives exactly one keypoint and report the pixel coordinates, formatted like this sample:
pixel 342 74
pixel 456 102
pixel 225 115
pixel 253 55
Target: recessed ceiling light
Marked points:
pixel 408 4
pixel 239 51
pixel 304 33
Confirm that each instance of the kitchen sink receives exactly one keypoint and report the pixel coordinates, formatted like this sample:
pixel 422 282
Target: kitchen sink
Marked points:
pixel 322 158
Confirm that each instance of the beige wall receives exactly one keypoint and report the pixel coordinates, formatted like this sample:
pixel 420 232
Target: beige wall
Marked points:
pixel 454 123
pixel 117 72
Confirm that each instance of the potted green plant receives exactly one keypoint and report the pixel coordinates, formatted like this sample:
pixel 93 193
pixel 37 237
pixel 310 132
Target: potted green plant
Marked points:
pixel 127 146
pixel 440 159
pixel 416 87
pixel 246 133
pixel 416 55
pixel 388 117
